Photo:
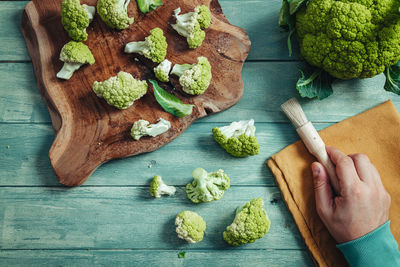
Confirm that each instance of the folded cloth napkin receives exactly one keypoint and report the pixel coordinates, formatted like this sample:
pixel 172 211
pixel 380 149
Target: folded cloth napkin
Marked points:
pixel 376 133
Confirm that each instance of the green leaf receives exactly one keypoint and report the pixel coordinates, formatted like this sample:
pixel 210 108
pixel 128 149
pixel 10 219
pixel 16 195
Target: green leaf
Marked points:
pixel 392 74
pixel 181 254
pixel 170 103
pixel 294 5
pixel 315 82
pixel 148 5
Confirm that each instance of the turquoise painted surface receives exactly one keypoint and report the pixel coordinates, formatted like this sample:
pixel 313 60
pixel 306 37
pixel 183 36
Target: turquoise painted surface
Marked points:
pixel 111 220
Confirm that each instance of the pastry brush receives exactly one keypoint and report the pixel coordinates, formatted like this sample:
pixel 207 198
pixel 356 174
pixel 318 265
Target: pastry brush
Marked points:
pixel 311 138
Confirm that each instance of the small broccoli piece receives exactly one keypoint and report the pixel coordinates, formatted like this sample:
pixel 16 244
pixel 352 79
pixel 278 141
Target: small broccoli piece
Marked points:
pixel 162 71
pixel 190 226
pixel 76 18
pixel 114 13
pixel 120 91
pixel 192 24
pixel 158 188
pixel 238 139
pixel 154 47
pixel 144 128
pixel 194 79
pixel 74 55
pixel 148 5
pixel 251 223
pixel 207 187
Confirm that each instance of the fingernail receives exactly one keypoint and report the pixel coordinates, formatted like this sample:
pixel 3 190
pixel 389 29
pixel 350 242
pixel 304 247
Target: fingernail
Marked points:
pixel 315 170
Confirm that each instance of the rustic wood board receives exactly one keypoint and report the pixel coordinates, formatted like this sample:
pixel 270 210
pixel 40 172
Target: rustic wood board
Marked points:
pixel 88 131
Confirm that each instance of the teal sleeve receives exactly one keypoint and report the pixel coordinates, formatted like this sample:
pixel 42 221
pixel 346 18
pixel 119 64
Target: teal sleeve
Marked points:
pixel 378 248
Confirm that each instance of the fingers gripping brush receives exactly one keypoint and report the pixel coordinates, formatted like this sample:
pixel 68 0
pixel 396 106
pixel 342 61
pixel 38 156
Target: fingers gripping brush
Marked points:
pixel 311 138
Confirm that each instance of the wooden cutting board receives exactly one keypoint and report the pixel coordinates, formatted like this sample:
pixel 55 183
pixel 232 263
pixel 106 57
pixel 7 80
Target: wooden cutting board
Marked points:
pixel 88 131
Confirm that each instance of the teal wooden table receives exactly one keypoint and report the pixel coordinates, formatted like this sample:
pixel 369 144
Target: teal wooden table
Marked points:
pixel 111 220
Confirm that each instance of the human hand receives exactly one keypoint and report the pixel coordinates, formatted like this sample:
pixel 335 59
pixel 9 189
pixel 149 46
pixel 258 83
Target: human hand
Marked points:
pixel 362 204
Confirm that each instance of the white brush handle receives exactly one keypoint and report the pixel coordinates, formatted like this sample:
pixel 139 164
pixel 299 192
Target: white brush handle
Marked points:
pixel 316 146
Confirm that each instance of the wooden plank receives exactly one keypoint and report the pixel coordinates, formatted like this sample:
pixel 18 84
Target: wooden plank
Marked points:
pixel 26 161
pixel 154 258
pixel 129 218
pixel 267 85
pixel 269 42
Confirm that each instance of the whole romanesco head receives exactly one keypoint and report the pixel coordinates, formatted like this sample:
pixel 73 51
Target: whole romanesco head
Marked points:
pixel 158 188
pixel 207 187
pixel 251 223
pixel 120 91
pixel 350 38
pixel 190 226
pixel 238 139
pixel 162 71
pixel 192 24
pixel 114 13
pixel 194 79
pixel 154 47
pixel 74 55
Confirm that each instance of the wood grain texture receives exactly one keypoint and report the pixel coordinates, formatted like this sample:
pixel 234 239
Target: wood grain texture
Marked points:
pixel 89 132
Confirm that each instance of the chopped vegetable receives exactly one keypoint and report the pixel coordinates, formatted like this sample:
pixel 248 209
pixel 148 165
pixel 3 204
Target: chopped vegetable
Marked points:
pixel 192 24
pixel 251 223
pixel 190 226
pixel 162 71
pixel 143 128
pixel 238 139
pixel 194 79
pixel 120 91
pixel 76 18
pixel 158 188
pixel 74 55
pixel 171 103
pixel 207 187
pixel 149 5
pixel 114 13
pixel 154 47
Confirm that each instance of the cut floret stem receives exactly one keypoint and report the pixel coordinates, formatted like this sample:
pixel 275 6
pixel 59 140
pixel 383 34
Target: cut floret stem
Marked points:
pixel 136 47
pixel 178 69
pixel 90 11
pixel 68 70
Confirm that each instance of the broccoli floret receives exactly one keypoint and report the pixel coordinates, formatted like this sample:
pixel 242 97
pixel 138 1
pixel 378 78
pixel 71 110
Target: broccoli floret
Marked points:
pixel 194 79
pixel 162 71
pixel 76 18
pixel 154 47
pixel 190 226
pixel 251 223
pixel 158 188
pixel 114 13
pixel 148 5
pixel 74 55
pixel 238 139
pixel 120 91
pixel 144 128
pixel 207 187
pixel 192 24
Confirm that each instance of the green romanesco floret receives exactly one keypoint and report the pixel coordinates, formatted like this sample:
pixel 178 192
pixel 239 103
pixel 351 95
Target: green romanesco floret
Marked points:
pixel 207 187
pixel 158 188
pixel 238 139
pixel 251 223
pixel 114 13
pixel 192 24
pixel 350 38
pixel 76 18
pixel 143 128
pixel 190 226
pixel 194 79
pixel 154 47
pixel 148 5
pixel 162 71
pixel 74 55
pixel 120 91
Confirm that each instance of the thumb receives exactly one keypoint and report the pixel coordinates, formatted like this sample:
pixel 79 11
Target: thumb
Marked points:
pixel 323 191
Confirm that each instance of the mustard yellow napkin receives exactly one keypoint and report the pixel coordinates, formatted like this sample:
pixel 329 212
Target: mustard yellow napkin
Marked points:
pixel 376 133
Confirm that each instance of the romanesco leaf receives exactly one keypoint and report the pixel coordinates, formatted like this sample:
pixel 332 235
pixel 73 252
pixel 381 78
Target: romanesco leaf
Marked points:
pixel 315 83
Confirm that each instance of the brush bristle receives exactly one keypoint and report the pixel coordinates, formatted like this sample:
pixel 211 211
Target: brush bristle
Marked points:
pixel 294 112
